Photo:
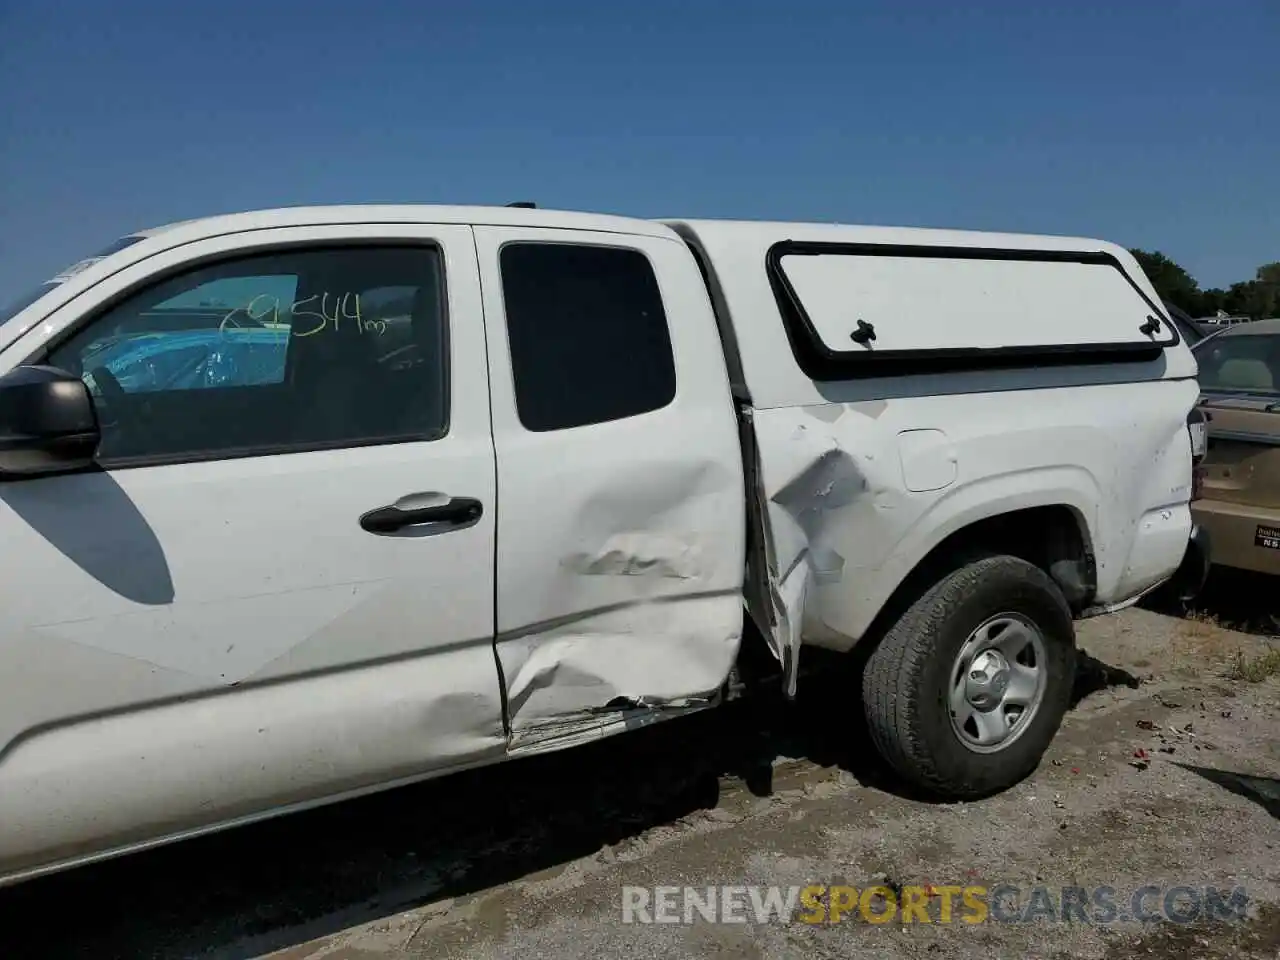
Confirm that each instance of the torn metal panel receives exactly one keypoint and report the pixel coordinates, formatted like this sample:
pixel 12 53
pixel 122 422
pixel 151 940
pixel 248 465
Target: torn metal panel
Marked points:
pixel 821 475
pixel 848 505
pixel 621 538
pixel 557 733
pixel 620 573
pixel 597 674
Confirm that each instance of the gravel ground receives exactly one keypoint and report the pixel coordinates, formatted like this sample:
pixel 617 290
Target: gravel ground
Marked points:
pixel 1166 772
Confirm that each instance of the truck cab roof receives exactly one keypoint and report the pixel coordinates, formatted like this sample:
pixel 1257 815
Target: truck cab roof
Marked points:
pixel 412 213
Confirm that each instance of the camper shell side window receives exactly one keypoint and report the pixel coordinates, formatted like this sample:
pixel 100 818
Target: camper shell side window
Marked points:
pixel 870 309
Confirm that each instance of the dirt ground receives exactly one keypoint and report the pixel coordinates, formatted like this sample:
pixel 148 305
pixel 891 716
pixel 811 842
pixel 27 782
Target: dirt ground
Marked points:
pixel 1167 772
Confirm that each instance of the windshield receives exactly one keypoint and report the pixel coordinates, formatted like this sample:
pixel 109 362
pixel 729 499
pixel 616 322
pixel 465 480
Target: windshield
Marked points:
pixel 1245 363
pixel 11 310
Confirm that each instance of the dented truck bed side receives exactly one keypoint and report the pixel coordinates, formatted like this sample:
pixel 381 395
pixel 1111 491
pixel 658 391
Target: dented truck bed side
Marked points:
pixel 859 476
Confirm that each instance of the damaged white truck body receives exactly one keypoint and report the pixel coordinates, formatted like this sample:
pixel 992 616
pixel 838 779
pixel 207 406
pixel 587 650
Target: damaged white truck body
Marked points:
pixel 305 503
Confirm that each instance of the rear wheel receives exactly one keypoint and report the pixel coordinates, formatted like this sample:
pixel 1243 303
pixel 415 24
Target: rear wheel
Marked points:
pixel 966 691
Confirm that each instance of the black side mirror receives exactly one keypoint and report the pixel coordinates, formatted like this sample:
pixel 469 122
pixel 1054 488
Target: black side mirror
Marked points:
pixel 47 422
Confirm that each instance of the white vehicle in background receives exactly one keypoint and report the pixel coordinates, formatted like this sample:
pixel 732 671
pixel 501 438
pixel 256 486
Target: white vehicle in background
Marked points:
pixel 305 503
pixel 1222 319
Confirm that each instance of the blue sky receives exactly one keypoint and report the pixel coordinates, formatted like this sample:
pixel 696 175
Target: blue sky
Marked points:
pixel 1147 123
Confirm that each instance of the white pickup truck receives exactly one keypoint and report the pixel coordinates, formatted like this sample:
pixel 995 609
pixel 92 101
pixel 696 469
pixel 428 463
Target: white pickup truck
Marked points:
pixel 306 503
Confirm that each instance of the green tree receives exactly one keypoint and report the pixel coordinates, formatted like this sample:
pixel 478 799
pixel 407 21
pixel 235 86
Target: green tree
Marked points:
pixel 1171 281
pixel 1211 301
pixel 1258 298
pixel 1239 298
pixel 1267 287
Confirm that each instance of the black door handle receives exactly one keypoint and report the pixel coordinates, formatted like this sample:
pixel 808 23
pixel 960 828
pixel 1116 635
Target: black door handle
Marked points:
pixel 457 512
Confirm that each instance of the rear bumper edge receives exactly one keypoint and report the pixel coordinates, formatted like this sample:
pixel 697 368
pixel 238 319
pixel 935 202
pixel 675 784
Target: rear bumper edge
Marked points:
pixel 1189 579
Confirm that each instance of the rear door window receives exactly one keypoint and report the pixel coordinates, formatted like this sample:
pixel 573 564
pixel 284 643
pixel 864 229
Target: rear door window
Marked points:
pixel 588 334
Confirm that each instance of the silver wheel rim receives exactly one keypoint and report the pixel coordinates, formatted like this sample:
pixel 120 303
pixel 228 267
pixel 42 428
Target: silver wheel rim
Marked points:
pixel 997 683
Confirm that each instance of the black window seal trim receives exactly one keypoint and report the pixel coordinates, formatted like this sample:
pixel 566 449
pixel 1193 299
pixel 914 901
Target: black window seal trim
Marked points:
pixel 268 450
pixel 723 318
pixel 820 362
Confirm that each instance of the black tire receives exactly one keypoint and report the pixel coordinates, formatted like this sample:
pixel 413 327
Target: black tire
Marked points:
pixel 906 680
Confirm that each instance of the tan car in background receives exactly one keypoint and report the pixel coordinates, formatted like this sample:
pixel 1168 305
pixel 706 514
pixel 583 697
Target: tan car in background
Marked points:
pixel 1239 503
